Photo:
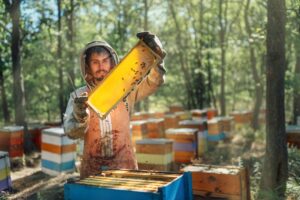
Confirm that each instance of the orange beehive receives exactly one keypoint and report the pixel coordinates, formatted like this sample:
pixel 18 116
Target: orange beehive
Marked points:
pixel 293 135
pixel 176 108
pixel 228 182
pixel 155 128
pixel 139 116
pixel 171 121
pixel 156 115
pixel 11 140
pixel 36 134
pixel 138 130
pixel 201 125
pixel 242 117
pixel 214 126
pixel 211 113
pixel 198 114
pixel 183 115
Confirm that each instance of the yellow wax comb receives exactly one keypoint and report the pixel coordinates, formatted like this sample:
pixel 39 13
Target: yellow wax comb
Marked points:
pixel 122 79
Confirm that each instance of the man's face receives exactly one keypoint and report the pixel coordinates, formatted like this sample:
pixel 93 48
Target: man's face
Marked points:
pixel 100 65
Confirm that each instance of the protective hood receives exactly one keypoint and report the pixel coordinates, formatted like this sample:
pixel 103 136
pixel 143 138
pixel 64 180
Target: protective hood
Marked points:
pixel 83 55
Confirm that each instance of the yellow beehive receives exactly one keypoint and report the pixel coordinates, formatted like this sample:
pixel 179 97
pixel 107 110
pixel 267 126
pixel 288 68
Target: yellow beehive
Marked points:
pixel 122 79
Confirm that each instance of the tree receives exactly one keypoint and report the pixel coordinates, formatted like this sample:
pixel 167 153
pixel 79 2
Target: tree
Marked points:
pixel 59 63
pixel 4 61
pixel 253 62
pixel 275 168
pixel 18 86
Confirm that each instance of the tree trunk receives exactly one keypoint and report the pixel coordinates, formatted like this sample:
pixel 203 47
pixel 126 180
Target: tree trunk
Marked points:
pixel 222 34
pixel 296 106
pixel 256 77
pixel 275 168
pixel 70 38
pixel 59 64
pixel 4 104
pixel 18 84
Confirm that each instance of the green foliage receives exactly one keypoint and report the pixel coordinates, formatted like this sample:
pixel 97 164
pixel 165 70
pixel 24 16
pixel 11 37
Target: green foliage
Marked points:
pixel 118 22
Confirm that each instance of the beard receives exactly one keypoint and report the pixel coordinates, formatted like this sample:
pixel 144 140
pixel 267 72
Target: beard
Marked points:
pixel 100 75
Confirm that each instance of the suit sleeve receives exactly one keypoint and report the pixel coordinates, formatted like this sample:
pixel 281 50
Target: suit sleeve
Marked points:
pixel 148 86
pixel 72 127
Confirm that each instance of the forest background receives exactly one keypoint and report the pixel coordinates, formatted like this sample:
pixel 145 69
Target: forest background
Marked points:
pixel 219 55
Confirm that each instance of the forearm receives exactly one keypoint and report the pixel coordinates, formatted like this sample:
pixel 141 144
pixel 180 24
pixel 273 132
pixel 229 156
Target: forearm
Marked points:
pixel 72 127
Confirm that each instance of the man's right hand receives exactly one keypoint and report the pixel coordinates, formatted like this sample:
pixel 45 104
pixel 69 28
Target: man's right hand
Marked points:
pixel 80 108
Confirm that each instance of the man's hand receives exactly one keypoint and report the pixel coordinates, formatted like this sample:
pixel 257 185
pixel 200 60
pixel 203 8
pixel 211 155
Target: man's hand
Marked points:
pixel 153 42
pixel 79 108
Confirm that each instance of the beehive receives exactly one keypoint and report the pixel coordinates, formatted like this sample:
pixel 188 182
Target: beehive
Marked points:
pixel 226 182
pixel 11 140
pixel 5 180
pixel 198 124
pixel 137 116
pixel 156 115
pixel 122 79
pixel 125 184
pixel 183 115
pixel 138 130
pixel 36 134
pixel 211 113
pixel 184 143
pixel 293 135
pixel 155 154
pixel 170 121
pixel 58 152
pixel 214 130
pixel 201 143
pixel 227 125
pixel 175 108
pixel 198 114
pixel 241 117
pixel 155 128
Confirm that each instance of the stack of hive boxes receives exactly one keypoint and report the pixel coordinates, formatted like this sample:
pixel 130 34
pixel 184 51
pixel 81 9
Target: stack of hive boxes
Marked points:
pixel 227 126
pixel 184 143
pixel 241 118
pixel 155 154
pixel 11 140
pixel 215 130
pixel 201 136
pixel 155 128
pixel 138 130
pixel 58 152
pixel 121 184
pixel 171 121
pixel 5 181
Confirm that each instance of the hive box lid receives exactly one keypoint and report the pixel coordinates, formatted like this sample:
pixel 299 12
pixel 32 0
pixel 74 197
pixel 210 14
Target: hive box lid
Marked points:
pixel 11 128
pixel 57 131
pixel 154 141
pixel 137 123
pixel 192 122
pixel 187 131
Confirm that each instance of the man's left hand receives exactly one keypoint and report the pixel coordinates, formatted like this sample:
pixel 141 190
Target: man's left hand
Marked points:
pixel 153 42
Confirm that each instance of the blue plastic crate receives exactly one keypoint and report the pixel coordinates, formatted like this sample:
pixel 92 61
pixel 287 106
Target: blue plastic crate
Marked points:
pixel 131 184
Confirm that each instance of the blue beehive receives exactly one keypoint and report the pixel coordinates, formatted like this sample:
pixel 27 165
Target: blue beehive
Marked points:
pixel 131 184
pixel 5 181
